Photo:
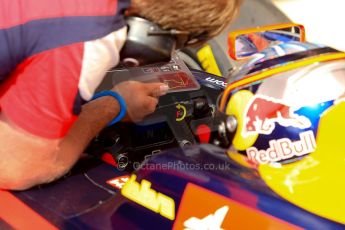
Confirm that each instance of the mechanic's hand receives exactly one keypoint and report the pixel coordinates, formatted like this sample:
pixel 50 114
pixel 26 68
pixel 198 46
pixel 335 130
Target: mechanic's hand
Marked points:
pixel 141 98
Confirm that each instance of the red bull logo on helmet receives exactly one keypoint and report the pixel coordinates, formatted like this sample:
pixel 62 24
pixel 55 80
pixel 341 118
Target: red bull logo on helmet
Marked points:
pixel 283 149
pixel 263 113
pixel 264 127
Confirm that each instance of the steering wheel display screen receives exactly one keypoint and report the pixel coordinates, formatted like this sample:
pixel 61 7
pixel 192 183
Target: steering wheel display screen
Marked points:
pixel 175 74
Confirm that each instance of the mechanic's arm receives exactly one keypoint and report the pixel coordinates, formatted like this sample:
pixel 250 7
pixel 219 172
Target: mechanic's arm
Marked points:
pixel 29 160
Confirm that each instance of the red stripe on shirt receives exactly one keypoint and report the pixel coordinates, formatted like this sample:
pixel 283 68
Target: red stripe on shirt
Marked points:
pixel 16 12
pixel 39 96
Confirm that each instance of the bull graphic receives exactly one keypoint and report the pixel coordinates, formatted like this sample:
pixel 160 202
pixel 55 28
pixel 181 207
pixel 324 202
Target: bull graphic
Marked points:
pixel 262 113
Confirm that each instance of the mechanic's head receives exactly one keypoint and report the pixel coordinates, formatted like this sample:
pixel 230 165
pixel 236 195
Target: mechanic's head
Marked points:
pixel 198 17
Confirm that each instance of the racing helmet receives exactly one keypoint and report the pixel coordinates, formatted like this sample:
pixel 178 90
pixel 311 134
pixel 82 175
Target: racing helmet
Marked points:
pixel 289 102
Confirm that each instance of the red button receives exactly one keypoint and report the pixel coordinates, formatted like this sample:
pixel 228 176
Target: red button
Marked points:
pixel 204 134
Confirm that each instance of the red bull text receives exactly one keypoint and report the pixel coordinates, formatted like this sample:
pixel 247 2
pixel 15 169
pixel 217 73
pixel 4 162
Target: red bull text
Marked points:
pixel 283 149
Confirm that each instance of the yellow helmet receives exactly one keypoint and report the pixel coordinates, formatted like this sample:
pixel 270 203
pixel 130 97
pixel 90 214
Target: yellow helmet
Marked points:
pixel 290 107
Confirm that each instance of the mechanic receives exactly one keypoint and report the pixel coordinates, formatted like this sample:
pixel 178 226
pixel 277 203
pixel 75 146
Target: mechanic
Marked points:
pixel 54 54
